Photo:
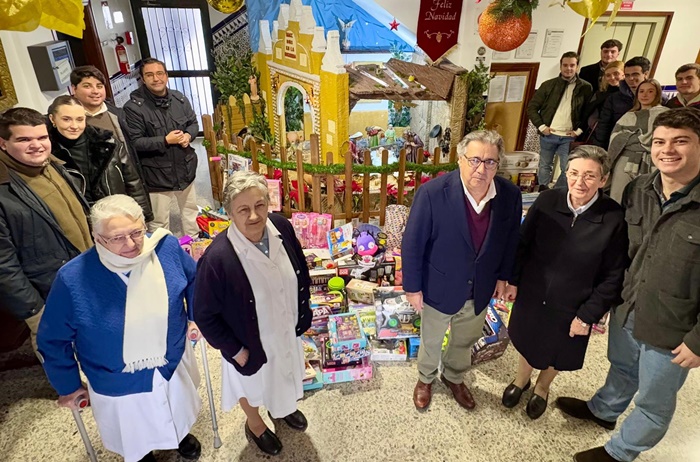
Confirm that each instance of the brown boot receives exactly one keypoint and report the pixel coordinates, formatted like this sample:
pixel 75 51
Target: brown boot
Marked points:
pixel 422 394
pixel 461 393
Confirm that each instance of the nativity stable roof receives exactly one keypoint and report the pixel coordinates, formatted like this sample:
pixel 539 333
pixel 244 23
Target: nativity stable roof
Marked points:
pixel 402 81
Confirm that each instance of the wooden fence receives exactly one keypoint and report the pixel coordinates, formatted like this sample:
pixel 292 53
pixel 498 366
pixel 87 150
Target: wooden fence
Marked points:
pixel 334 194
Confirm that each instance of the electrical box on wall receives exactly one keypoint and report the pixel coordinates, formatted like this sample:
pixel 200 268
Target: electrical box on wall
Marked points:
pixel 53 63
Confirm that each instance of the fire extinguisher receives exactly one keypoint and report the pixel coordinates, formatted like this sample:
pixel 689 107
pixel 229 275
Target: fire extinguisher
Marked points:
pixel 122 57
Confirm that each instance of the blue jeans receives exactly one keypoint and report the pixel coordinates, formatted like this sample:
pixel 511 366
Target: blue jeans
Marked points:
pixel 637 366
pixel 549 146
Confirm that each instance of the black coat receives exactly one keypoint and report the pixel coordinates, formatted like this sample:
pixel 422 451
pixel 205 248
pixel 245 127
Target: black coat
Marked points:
pixel 615 106
pixel 592 74
pixel 165 167
pixel 565 268
pixel 224 304
pixel 32 245
pixel 111 171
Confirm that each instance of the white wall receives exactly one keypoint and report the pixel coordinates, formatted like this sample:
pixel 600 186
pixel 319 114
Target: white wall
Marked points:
pixel 215 16
pixel 107 36
pixel 681 43
pixel 23 76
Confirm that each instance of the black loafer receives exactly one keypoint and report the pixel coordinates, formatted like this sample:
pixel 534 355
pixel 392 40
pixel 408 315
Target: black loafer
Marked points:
pixel 512 394
pixel 295 420
pixel 267 442
pixel 536 406
pixel 189 447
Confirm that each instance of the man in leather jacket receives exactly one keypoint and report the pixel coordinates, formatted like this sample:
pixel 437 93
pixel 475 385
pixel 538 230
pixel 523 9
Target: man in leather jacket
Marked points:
pixel 43 217
pixel 160 124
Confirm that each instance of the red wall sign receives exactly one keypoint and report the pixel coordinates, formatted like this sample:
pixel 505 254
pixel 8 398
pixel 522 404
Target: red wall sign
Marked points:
pixel 438 26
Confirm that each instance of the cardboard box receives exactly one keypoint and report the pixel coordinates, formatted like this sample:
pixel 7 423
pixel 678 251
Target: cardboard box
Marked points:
pixel 348 373
pixel 389 350
pixel 495 340
pixel 413 346
pixel 345 333
pixel 395 317
pixel 368 318
pixel 361 291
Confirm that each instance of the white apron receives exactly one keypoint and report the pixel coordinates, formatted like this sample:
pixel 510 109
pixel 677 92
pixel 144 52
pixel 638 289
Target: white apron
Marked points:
pixel 134 425
pixel 278 384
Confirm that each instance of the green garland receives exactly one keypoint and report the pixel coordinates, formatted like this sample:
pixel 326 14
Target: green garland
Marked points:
pixel 339 169
pixel 503 10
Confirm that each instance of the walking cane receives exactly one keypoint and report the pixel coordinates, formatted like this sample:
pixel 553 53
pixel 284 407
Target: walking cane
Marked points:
pixel 82 402
pixel 210 392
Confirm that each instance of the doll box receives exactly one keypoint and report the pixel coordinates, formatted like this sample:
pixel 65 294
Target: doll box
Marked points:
pixel 346 333
pixel 348 373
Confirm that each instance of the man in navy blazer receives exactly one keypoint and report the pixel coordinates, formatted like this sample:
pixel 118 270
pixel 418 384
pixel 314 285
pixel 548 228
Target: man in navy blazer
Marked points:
pixel 458 251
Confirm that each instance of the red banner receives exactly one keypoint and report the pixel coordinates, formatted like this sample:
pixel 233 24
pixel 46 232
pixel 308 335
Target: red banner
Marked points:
pixel 438 26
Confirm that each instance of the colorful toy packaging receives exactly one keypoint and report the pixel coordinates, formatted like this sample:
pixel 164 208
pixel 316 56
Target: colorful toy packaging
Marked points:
pixel 413 346
pixel 340 241
pixel 495 340
pixel 348 373
pixel 389 350
pixel 396 318
pixel 312 229
pixel 368 317
pixel 345 333
pixel 361 291
pixel 274 188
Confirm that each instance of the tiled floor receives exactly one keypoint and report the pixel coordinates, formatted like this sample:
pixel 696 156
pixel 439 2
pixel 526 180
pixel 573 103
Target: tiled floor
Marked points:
pixel 372 420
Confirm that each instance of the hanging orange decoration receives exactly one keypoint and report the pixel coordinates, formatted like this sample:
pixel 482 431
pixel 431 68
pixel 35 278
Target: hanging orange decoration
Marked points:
pixel 506 24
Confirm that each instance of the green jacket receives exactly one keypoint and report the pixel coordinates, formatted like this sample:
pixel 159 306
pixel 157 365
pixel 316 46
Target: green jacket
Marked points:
pixel 662 284
pixel 544 103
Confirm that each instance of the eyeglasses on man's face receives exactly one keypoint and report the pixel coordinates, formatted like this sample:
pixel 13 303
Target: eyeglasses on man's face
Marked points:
pixel 151 75
pixel 586 177
pixel 122 239
pixel 489 164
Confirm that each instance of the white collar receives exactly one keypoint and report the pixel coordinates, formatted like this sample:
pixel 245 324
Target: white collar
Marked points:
pixel 584 207
pixel 490 194
pixel 102 109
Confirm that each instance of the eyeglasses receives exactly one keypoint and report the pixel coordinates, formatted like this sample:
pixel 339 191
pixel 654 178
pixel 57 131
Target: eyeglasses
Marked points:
pixel 489 164
pixel 121 240
pixel 159 74
pixel 586 177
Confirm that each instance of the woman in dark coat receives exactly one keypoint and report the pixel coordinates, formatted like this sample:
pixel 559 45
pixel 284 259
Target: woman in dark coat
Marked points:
pixel 252 303
pixel 569 270
pixel 101 166
pixel 614 73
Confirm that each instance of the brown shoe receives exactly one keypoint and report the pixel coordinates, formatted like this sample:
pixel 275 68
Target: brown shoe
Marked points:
pixel 422 394
pixel 461 393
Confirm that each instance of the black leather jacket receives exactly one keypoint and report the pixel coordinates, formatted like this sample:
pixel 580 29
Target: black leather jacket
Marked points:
pixel 111 172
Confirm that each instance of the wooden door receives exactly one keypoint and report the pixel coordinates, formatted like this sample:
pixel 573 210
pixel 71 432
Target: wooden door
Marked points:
pixel 511 89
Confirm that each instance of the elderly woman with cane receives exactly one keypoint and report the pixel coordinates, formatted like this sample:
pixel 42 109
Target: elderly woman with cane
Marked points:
pixel 252 303
pixel 121 312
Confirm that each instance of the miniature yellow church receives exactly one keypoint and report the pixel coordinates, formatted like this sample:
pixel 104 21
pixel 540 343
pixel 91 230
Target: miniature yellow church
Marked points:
pixel 297 53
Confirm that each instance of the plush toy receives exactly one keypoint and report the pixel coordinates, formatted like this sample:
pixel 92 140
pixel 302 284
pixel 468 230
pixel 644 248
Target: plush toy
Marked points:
pixel 366 245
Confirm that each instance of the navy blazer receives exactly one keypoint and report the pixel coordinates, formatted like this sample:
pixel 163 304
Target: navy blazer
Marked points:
pixel 437 249
pixel 225 305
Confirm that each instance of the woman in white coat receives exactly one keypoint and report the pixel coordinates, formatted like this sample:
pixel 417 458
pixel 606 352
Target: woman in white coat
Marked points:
pixel 252 297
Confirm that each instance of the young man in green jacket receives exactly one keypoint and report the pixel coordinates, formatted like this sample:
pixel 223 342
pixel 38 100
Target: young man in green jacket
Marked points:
pixel 655 333
pixel 556 110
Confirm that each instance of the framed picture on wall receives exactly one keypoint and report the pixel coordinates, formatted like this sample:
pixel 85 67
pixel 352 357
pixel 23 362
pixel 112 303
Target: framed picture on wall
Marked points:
pixel 8 97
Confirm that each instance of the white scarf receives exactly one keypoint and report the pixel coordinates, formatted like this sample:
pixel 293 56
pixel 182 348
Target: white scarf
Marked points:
pixel 146 314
